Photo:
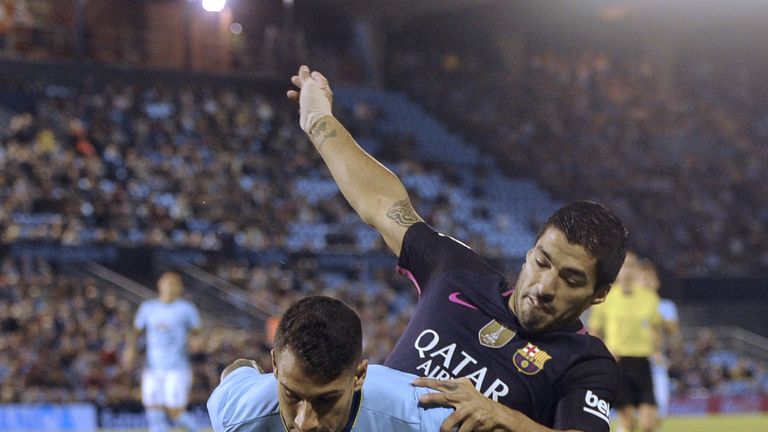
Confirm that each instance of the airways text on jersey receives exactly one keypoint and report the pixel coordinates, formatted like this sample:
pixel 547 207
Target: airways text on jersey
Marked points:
pixel 442 361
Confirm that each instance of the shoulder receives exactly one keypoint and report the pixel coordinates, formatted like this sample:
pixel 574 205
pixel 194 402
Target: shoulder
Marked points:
pixel 423 247
pixel 384 382
pixel 591 366
pixel 389 392
pixel 148 305
pixel 578 348
pixel 243 396
pixel 186 303
pixel 189 305
pixel 422 232
pixel 390 402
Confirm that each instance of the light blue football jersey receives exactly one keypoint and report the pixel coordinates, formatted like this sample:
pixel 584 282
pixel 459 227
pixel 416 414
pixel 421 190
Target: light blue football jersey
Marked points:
pixel 247 401
pixel 167 326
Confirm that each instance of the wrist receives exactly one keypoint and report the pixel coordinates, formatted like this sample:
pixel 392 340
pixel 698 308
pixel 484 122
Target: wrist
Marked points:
pixel 314 124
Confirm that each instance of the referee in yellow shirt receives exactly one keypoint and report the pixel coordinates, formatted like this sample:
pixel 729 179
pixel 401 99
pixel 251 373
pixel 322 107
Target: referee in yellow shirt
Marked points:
pixel 629 323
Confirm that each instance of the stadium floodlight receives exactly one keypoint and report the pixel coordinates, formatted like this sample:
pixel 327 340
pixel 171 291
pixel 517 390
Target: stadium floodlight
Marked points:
pixel 214 5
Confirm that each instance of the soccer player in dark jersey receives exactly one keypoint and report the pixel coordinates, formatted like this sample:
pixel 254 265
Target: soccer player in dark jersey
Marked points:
pixel 507 358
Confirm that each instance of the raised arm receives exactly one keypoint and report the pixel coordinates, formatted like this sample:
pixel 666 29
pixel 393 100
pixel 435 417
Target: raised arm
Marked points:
pixel 376 194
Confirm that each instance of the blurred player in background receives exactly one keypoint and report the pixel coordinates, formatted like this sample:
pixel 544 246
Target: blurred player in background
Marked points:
pixel 671 340
pixel 320 382
pixel 629 322
pixel 166 380
pixel 518 354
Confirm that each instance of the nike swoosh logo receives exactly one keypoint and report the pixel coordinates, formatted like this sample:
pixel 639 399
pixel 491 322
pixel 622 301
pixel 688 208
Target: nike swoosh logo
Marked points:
pixel 454 298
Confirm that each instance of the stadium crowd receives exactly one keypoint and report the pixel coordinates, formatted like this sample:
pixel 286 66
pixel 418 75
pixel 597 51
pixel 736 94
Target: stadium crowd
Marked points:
pixel 677 155
pixel 212 168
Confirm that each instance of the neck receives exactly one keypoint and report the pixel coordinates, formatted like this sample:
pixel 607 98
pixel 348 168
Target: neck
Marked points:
pixel 354 409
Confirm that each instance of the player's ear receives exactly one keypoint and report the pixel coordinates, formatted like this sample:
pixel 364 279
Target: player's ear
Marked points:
pixel 600 294
pixel 360 373
pixel 274 363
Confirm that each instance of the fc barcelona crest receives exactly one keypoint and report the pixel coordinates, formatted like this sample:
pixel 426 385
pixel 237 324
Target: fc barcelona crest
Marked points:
pixel 530 359
pixel 495 335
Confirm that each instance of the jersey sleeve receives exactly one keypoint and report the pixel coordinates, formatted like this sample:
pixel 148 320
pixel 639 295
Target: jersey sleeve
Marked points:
pixel 195 323
pixel 236 400
pixel 140 321
pixel 585 394
pixel 427 253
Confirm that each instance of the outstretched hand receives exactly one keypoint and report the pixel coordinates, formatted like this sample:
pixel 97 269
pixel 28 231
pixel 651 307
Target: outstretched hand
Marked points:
pixel 314 97
pixel 473 411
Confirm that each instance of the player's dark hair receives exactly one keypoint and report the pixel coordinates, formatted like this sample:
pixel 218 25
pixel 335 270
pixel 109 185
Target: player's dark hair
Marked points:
pixel 596 229
pixel 324 333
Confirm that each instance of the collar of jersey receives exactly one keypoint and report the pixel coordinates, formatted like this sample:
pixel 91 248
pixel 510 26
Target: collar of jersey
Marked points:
pixel 357 400
pixel 495 304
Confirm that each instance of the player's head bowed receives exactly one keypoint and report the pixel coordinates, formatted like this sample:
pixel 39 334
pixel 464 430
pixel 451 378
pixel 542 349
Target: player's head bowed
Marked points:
pixel 318 364
pixel 596 229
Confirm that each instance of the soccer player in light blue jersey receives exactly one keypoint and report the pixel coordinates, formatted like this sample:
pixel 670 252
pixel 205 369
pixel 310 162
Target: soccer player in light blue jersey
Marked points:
pixel 320 382
pixel 167 377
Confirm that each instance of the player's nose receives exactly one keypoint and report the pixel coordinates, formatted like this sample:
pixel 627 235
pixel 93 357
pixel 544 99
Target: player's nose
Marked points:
pixel 547 287
pixel 306 418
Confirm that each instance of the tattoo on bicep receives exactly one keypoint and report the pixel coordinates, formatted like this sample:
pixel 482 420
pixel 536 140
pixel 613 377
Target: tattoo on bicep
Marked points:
pixel 321 134
pixel 402 213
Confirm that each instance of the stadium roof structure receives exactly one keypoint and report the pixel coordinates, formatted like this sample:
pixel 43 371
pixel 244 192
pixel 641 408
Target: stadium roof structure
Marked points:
pixel 685 12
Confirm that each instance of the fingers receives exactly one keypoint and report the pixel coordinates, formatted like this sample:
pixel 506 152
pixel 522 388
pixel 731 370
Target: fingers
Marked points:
pixel 303 74
pixel 317 76
pixel 452 421
pixel 434 400
pixel 468 425
pixel 431 383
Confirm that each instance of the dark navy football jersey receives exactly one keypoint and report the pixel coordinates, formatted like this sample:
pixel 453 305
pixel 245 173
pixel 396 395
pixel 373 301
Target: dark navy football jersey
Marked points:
pixel 462 327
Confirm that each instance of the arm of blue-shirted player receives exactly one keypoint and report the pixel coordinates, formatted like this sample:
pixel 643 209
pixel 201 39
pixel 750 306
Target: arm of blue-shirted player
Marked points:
pixel 376 194
pixel 219 404
pixel 195 339
pixel 129 350
pixel 128 359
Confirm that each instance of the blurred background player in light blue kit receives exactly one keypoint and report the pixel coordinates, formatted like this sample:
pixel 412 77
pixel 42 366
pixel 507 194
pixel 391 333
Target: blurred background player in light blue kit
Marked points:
pixel 166 380
pixel 320 382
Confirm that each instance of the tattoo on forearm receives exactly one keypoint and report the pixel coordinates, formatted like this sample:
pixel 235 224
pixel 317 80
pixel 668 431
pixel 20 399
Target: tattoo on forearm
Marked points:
pixel 402 213
pixel 320 132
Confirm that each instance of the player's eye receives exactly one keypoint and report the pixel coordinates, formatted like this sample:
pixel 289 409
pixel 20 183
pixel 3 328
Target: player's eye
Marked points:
pixel 291 396
pixel 325 401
